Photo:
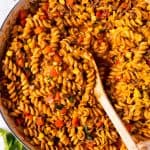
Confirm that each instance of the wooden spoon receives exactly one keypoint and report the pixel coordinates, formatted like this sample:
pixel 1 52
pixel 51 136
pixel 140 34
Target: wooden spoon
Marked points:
pixel 113 116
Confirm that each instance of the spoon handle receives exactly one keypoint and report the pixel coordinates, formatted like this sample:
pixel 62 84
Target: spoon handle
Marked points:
pixel 117 123
pixel 113 116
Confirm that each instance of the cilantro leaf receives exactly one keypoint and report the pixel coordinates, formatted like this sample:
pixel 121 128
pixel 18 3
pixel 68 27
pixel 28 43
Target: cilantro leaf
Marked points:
pixel 88 135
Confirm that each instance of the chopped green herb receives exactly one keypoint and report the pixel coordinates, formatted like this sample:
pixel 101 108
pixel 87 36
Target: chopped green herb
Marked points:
pixel 86 129
pixel 88 135
pixel 60 106
pixel 71 99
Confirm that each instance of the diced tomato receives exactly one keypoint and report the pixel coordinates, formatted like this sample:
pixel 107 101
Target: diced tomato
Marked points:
pixel 98 14
pixel 48 49
pixel 90 144
pixel 39 121
pixel 23 14
pixel 20 62
pixel 57 58
pixel 57 96
pixel 102 14
pixel 99 124
pixel 29 116
pixel 43 17
pixel 75 122
pixel 45 7
pixel 63 111
pixel 129 127
pixel 38 30
pixel 80 40
pixel 59 123
pixel 53 72
pixel 26 113
pixel 69 2
pixel 117 62
pixel 124 5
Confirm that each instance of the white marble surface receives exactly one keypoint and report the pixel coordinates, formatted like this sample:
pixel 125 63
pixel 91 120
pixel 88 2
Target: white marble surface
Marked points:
pixel 5 8
pixel 4 126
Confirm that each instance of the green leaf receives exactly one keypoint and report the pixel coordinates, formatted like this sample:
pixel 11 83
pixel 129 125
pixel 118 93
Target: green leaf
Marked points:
pixel 2 132
pixel 10 139
pixel 88 135
pixel 86 129
pixel 11 143
pixel 16 146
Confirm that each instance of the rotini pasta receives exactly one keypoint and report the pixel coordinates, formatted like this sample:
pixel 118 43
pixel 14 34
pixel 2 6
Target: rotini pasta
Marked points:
pixel 49 78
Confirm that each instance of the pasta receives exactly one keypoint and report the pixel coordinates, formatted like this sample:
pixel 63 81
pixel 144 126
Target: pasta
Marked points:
pixel 48 78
